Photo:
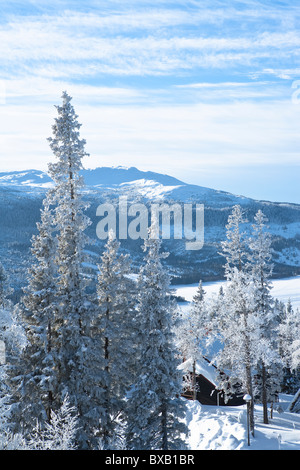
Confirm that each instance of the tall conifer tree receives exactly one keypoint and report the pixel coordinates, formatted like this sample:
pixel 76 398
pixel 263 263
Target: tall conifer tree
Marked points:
pixel 268 360
pixel 58 314
pixel 237 311
pixel 75 312
pixel 32 375
pixel 155 406
pixel 115 326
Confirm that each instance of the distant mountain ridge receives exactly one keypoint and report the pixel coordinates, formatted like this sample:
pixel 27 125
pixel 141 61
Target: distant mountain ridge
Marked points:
pixel 120 175
pixel 35 178
pixel 93 177
pixel 22 192
pixel 148 184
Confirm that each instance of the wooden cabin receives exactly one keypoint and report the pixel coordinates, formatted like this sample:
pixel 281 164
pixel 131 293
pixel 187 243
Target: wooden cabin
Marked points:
pixel 207 392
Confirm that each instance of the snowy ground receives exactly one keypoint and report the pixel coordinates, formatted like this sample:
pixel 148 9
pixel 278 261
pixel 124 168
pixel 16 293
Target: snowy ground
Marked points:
pixel 225 428
pixel 283 290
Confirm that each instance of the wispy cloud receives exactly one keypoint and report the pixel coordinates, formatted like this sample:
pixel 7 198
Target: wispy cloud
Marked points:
pixel 193 83
pixel 136 43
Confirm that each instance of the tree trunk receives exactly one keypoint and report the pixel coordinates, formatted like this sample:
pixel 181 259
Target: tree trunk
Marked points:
pixel 251 406
pixel 194 381
pixel 249 375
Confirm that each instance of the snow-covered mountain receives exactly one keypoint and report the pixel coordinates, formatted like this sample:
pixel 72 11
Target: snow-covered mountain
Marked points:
pixel 26 178
pixel 21 194
pixel 147 184
pixel 98 177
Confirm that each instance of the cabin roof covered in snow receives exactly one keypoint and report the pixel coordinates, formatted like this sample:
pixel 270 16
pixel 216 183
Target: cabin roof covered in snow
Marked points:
pixel 203 367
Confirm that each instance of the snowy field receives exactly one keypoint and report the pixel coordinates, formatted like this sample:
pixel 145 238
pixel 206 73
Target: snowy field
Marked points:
pixel 283 290
pixel 225 428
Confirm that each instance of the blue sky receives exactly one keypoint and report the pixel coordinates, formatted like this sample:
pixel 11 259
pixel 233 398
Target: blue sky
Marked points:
pixel 208 92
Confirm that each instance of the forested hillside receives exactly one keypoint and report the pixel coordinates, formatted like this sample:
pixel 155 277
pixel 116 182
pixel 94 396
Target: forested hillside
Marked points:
pixel 21 200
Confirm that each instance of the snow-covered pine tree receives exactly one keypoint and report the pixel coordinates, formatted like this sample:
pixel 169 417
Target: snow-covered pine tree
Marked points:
pixel 236 319
pixel 233 327
pixel 266 327
pixel 155 407
pixel 12 342
pixel 57 434
pixel 75 311
pixel 114 332
pixel 290 347
pixel 191 333
pixel 33 375
pixel 234 248
pixel 295 346
pixel 260 258
pixel 287 330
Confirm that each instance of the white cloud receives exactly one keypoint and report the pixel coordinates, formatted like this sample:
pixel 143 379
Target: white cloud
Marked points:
pixel 75 44
pixel 47 91
pixel 283 73
pixel 164 138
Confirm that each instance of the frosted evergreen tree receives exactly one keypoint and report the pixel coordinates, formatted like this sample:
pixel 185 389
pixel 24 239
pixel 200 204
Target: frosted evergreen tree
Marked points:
pixel 191 334
pixel 58 313
pixel 115 326
pixel 260 260
pixel 75 312
pixel 237 314
pixel 7 314
pixel 11 441
pixel 35 388
pixel 267 321
pixel 236 326
pixel 12 342
pixel 155 406
pixel 59 433
pixel 290 347
pixel 295 346
pixel 234 248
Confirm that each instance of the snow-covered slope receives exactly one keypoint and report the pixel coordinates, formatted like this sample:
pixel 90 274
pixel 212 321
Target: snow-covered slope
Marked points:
pixel 282 289
pixel 225 428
